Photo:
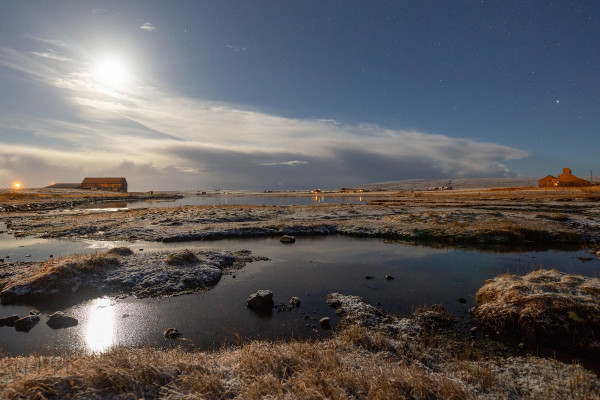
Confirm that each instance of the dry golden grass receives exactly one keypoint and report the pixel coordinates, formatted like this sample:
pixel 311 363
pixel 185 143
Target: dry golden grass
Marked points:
pixel 185 256
pixel 545 305
pixel 329 369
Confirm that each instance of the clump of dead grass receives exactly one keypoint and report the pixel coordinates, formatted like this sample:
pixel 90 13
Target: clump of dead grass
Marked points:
pixel 544 305
pixel 185 256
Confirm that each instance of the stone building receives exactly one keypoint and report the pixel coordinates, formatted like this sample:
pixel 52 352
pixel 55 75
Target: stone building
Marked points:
pixel 109 184
pixel 565 179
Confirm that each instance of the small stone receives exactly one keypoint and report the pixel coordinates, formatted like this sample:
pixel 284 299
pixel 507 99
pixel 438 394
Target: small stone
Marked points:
pixel 389 277
pixel 61 320
pixel 324 322
pixel 26 323
pixel 33 311
pixel 261 300
pixel 9 321
pixel 51 256
pixel 462 300
pixel 474 331
pixel 287 239
pixel 295 302
pixel 172 333
pixel 369 277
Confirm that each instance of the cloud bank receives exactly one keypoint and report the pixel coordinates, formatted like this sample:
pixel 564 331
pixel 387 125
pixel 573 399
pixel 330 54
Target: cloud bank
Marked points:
pixel 161 140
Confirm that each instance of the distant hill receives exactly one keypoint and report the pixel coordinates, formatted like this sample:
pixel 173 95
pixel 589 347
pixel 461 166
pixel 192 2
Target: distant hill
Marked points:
pixel 463 183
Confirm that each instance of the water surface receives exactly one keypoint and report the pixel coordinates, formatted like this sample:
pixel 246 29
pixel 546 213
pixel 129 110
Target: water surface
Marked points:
pixel 310 269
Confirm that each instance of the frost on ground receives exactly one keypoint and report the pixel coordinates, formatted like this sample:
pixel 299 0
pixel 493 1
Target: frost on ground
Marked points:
pixel 544 306
pixel 372 355
pixel 120 271
pixel 494 218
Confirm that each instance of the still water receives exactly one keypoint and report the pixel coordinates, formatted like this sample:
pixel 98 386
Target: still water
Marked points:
pixel 234 199
pixel 310 269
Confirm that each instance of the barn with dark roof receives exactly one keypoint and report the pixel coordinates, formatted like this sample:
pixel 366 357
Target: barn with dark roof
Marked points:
pixel 109 184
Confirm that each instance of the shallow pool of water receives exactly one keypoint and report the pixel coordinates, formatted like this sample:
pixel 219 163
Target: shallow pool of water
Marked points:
pixel 310 269
pixel 224 199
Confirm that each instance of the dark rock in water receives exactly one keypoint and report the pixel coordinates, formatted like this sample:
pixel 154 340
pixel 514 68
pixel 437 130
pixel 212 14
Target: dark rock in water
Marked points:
pixel 324 323
pixel 61 320
pixel 585 259
pixel 9 321
pixel 26 323
pixel 283 307
pixel 369 277
pixel 172 333
pixel 389 277
pixel 462 300
pixel 287 239
pixel 261 300
pixel 474 331
pixel 295 301
pixel 33 311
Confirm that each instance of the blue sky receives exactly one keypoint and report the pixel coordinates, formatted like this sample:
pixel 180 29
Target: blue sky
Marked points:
pixel 296 94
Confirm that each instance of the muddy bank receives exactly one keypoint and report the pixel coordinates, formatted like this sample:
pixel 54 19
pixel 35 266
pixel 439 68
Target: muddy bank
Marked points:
pixel 545 307
pixel 118 272
pixel 372 355
pixel 528 222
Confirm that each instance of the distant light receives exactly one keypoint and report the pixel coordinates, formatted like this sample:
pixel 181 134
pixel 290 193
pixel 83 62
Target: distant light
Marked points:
pixel 17 185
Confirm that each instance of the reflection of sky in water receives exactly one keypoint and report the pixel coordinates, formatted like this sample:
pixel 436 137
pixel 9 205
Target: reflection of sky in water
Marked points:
pixel 310 269
pixel 100 325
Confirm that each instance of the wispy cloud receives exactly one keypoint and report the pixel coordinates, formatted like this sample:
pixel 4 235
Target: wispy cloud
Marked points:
pixel 165 140
pixel 51 55
pixel 147 26
pixel 290 163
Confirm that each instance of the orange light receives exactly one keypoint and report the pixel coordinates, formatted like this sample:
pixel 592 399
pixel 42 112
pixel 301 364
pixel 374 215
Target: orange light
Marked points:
pixel 17 185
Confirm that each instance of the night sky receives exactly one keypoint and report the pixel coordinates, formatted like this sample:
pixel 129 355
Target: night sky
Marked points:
pixel 296 94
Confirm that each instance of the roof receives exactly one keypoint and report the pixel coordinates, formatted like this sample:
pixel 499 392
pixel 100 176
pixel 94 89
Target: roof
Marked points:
pixel 549 176
pixel 88 181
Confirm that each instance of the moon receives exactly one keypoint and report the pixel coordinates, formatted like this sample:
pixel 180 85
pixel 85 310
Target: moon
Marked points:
pixel 111 72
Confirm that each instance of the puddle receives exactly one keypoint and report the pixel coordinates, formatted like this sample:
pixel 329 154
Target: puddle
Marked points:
pixel 222 199
pixel 310 269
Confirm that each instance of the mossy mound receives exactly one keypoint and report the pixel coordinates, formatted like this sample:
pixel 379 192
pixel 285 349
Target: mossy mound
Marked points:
pixel 545 306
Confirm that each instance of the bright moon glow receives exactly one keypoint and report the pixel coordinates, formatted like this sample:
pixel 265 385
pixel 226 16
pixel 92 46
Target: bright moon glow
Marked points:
pixel 112 73
pixel 100 330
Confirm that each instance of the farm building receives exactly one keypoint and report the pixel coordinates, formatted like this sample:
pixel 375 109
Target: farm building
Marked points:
pixel 109 184
pixel 565 179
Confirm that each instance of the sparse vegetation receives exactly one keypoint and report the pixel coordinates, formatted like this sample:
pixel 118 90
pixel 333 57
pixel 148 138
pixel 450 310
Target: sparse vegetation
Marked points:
pixel 361 361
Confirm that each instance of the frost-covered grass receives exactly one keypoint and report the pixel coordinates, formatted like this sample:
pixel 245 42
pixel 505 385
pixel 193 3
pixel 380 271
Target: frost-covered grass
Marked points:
pixel 545 306
pixel 122 272
pixel 370 356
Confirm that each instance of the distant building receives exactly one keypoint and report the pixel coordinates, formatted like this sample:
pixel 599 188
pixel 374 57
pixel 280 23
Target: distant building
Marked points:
pixel 109 184
pixel 566 179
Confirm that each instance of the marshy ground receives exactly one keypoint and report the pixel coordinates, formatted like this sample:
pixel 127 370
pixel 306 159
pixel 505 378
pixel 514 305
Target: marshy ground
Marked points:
pixel 371 354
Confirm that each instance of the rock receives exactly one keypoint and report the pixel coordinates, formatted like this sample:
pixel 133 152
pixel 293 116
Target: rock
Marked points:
pixel 389 277
pixel 261 300
pixel 324 322
pixel 287 239
pixel 172 333
pixel 26 323
pixel 462 300
pixel 295 302
pixel 369 277
pixel 474 331
pixel 33 311
pixel 61 320
pixel 9 321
